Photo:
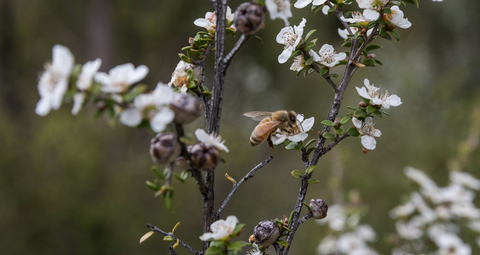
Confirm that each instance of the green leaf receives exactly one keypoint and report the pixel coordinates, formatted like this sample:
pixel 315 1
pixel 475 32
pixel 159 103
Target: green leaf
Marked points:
pixel 371 109
pixel 291 146
pixel 353 132
pixel 339 131
pixel 259 38
pixel 347 44
pixel 373 47
pixel 310 169
pixel 313 180
pixel 378 113
pixel 384 112
pixel 387 10
pixel 207 93
pixel 378 62
pixel 187 48
pixel 294 54
pixel 327 123
pixel 396 2
pixel 323 71
pixel 309 34
pixel 237 229
pixel 310 45
pixel 309 142
pixel 282 243
pixel 299 72
pixel 167 238
pixel 190 74
pixel 157 172
pixel 185 174
pixel 345 120
pixel 237 246
pixel 291 217
pixel 328 135
pixel 217 243
pixel 369 62
pixel 352 108
pixel 360 113
pixel 214 250
pixel 184 58
pixel 310 150
pixel 224 161
pixel 309 61
pixel 153 186
pixel 178 177
pixel 168 199
pixel 296 174
pixel 395 34
pixel 334 75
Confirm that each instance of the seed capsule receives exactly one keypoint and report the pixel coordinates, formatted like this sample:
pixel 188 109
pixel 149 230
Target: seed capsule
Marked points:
pixel 266 233
pixel 187 108
pixel 205 156
pixel 319 208
pixel 249 18
pixel 164 148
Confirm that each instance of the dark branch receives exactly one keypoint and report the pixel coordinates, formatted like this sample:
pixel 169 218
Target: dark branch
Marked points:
pixel 325 76
pixel 243 39
pixel 172 250
pixel 366 42
pixel 304 218
pixel 188 247
pixel 339 14
pixel 201 63
pixel 236 186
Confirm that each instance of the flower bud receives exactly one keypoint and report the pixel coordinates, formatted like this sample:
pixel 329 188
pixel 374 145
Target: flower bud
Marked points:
pixel 164 148
pixel 205 155
pixel 186 107
pixel 249 18
pixel 362 104
pixel 180 77
pixel 337 122
pixel 191 41
pixel 319 208
pixel 372 55
pixel 266 233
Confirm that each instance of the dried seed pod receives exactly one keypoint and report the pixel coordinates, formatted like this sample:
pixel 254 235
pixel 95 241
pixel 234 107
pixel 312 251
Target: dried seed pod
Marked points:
pixel 249 18
pixel 205 155
pixel 319 208
pixel 164 148
pixel 187 108
pixel 266 233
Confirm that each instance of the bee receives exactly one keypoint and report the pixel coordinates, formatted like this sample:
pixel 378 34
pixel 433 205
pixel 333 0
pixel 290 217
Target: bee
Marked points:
pixel 285 121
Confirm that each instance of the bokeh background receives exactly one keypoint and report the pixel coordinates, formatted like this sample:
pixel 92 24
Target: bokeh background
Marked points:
pixel 76 185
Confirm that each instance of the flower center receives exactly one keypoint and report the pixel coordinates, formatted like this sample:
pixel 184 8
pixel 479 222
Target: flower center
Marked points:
pixel 327 55
pixel 280 5
pixel 289 39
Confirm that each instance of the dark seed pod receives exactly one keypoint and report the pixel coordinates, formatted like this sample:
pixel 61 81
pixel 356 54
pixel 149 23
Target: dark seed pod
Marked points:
pixel 319 208
pixel 205 155
pixel 249 18
pixel 266 233
pixel 362 104
pixel 164 148
pixel 187 108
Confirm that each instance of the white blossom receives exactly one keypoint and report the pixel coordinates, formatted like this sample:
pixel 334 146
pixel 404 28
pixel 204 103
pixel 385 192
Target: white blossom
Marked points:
pixel 304 125
pixel 420 178
pixel 368 131
pixel 53 82
pixel 279 9
pixel 120 78
pixel 152 107
pixel 451 244
pixel 84 83
pixel 371 92
pixel 402 210
pixel 396 18
pixel 290 37
pixel 344 32
pixel 474 225
pixel 376 5
pixel 464 179
pixel 303 3
pixel 327 56
pixel 362 18
pixel 216 141
pixel 325 9
pixel 410 230
pixel 78 100
pixel 210 21
pixel 220 228
pixel 328 245
pixel 180 77
pixel 297 64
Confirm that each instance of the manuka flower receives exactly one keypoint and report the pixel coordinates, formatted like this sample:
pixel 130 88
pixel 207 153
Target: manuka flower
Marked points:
pixel 328 56
pixel 298 63
pixel 84 83
pixel 53 83
pixel 120 78
pixel 279 9
pixel 395 19
pixel 210 21
pixel 216 141
pixel 290 37
pixel 371 92
pixel 368 131
pixel 180 76
pixel 303 3
pixel 305 126
pixel 362 19
pixel 221 229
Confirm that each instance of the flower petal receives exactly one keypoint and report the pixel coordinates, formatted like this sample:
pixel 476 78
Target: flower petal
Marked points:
pixel 315 56
pixel 357 123
pixel 43 106
pixel 278 139
pixel 363 92
pixel 62 59
pixel 206 236
pixel 369 142
pixel 280 39
pixel 318 2
pixel 137 75
pixel 370 14
pixel 130 117
pixel 302 3
pixel 161 119
pixel 201 135
pixel 308 124
pixel 231 221
pixel 78 99
pixel 298 138
pixel 394 100
pixel 282 58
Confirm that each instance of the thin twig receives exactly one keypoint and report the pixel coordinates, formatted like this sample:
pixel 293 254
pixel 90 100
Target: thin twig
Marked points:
pixel 172 250
pixel 188 247
pixel 237 185
pixel 277 248
pixel 339 14
pixel 243 39
pixel 325 76
pixel 201 64
pixel 365 43
pixel 305 218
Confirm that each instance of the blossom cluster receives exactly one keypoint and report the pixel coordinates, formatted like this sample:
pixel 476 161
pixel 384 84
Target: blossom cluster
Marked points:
pixel 347 236
pixel 437 214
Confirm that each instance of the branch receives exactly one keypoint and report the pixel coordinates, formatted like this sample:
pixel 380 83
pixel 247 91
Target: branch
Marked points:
pixel 304 218
pixel 201 63
pixel 339 14
pixel 365 43
pixel 243 39
pixel 325 76
pixel 172 250
pixel 236 186
pixel 188 247
pixel 277 248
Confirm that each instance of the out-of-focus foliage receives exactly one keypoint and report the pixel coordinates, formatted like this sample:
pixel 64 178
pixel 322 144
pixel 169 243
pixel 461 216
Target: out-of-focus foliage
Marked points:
pixel 75 185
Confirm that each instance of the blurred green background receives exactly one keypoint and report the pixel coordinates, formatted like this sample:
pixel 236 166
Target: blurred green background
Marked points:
pixel 76 185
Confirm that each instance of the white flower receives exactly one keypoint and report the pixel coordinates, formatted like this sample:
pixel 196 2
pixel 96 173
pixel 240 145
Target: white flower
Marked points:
pixel 410 230
pixel 452 194
pixel 421 179
pixel 290 37
pixel 376 5
pixel 396 18
pixel 303 3
pixel 53 83
pixel 475 226
pixel 305 126
pixel 89 70
pixel 78 100
pixel 151 107
pixel 402 210
pixel 221 228
pixel 350 242
pixel 328 245
pixel 362 19
pixel 426 212
pixel 180 76
pixel 121 77
pixel 210 21
pixel 297 64
pixel 368 131
pixel 371 92
pixel 327 56
pixel 465 179
pixel 466 210
pixel 366 233
pixel 202 136
pixel 451 244
pixel 344 32
pixel 279 9
pixel 325 9
pixel 336 218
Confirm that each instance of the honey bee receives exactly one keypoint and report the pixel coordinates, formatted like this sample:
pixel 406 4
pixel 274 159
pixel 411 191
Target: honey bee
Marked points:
pixel 285 121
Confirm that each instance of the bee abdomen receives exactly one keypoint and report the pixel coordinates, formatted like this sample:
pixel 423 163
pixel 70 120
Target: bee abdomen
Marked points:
pixel 254 140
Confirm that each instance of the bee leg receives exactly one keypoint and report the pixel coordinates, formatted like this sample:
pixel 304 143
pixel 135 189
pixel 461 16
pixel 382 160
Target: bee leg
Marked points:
pixel 270 143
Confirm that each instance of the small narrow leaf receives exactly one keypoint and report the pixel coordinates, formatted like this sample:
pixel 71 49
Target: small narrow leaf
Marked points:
pixel 291 146
pixel 395 34
pixel 378 113
pixel 373 47
pixel 146 236
pixel 353 132
pixel 309 61
pixel 310 150
pixel 327 123
pixel 309 142
pixel 167 238
pixel 360 113
pixel 309 34
pixel 282 243
pixel 371 109
pixel 157 172
pixel 228 177
pixel 369 62
pixel 296 174
pixel 328 135
pixel 352 108
pixel 259 38
pixel 313 180
pixel 176 226
pixel 345 120
pixel 310 169
pixel 152 186
pixel 214 250
pixel 339 131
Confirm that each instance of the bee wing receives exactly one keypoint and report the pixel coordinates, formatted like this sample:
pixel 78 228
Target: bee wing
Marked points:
pixel 266 127
pixel 258 115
